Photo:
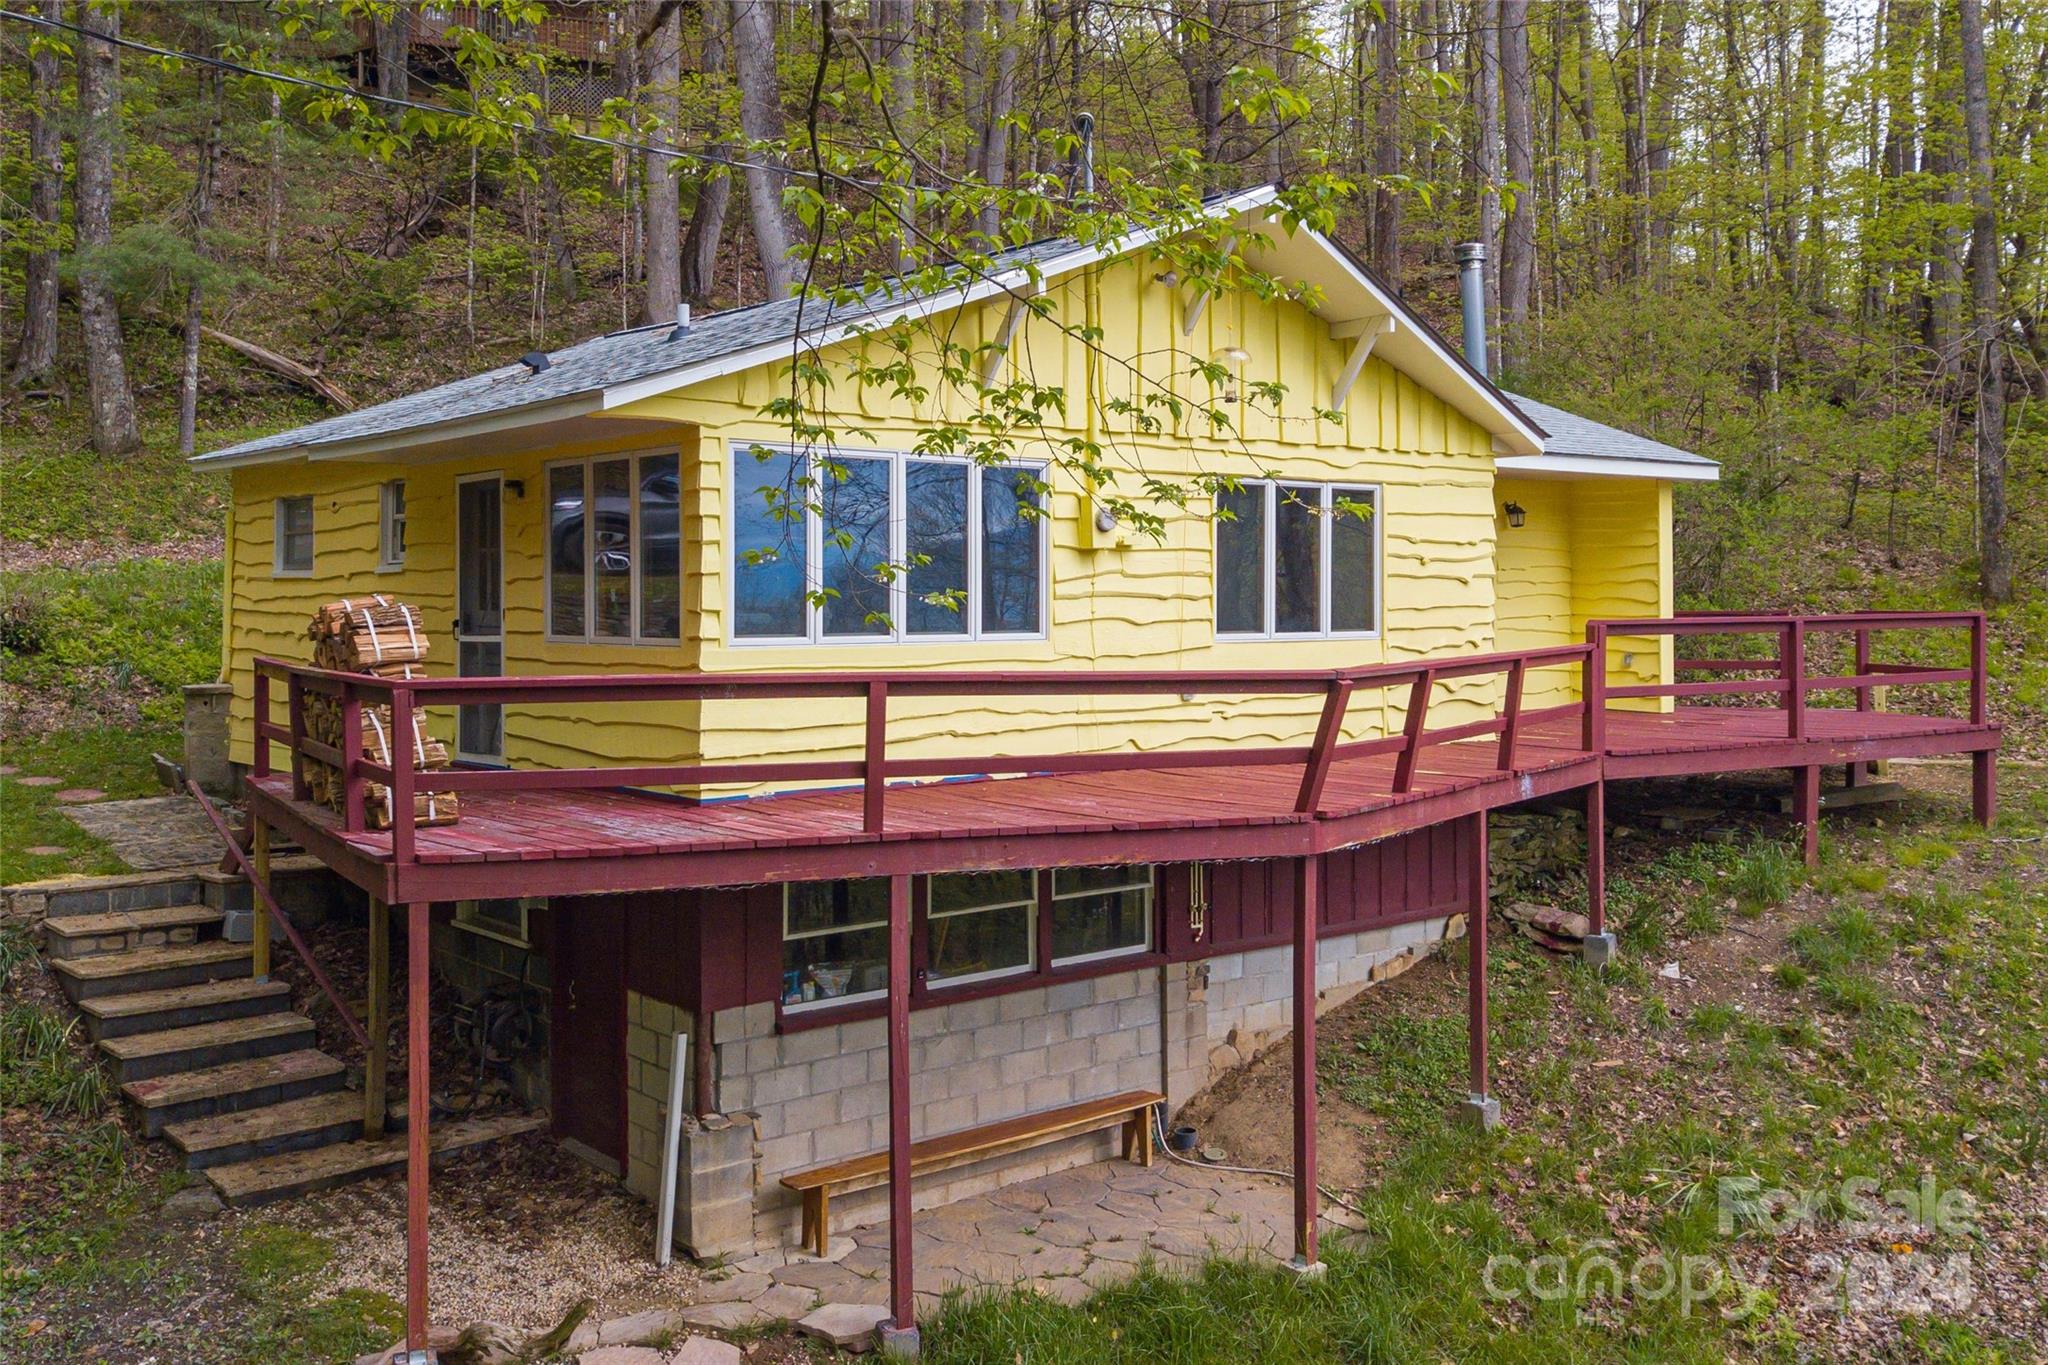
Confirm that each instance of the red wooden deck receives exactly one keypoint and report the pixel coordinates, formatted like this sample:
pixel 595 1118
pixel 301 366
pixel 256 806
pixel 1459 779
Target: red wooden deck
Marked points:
pixel 589 830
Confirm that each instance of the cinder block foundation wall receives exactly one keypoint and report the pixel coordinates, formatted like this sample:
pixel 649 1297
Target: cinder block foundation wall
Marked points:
pixel 651 1027
pixel 819 1095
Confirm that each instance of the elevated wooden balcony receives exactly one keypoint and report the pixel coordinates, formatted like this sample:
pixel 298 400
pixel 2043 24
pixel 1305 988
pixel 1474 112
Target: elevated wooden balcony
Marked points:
pixel 600 829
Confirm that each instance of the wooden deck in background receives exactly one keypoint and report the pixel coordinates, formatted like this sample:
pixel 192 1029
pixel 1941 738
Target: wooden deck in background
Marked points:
pixel 577 841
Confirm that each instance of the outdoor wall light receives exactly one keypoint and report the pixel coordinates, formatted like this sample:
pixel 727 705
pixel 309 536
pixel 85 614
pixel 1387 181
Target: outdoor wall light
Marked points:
pixel 1105 520
pixel 516 487
pixel 1516 516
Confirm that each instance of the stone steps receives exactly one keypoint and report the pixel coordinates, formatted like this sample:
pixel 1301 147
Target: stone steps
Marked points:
pixel 120 931
pixel 295 1125
pixel 143 1056
pixel 232 1087
pixel 265 1179
pixel 117 1016
pixel 148 969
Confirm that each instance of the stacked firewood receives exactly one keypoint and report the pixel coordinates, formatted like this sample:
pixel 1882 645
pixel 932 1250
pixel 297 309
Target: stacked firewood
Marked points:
pixel 384 638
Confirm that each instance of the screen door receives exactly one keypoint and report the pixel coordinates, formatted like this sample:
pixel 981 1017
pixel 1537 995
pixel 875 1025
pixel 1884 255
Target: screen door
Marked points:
pixel 479 610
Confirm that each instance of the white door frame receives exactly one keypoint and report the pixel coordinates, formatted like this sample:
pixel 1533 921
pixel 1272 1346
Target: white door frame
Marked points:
pixel 464 636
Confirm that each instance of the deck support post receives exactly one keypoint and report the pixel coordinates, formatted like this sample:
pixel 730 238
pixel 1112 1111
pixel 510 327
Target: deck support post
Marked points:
pixel 1984 786
pixel 259 914
pixel 377 1009
pixel 899 1336
pixel 1806 808
pixel 1479 1108
pixel 1307 894
pixel 1598 947
pixel 417 924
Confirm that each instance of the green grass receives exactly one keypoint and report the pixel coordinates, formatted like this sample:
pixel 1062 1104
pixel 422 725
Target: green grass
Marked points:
pixel 59 491
pixel 146 626
pixel 110 758
pixel 291 1315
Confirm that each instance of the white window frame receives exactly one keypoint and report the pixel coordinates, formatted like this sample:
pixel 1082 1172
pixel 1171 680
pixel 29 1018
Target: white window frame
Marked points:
pixel 391 526
pixel 830 929
pixel 467 917
pixel 278 567
pixel 587 464
pixel 1029 904
pixel 899 549
pixel 1150 886
pixel 1269 561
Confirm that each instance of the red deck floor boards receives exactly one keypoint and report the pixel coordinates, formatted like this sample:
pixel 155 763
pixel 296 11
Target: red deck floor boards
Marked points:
pixel 602 824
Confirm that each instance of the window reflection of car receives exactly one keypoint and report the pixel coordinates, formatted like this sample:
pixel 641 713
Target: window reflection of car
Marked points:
pixel 611 548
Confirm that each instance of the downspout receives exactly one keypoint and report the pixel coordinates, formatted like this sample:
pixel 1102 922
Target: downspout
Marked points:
pixel 227 597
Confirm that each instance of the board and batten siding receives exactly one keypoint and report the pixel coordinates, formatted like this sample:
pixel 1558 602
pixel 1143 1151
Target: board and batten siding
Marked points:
pixel 1118 600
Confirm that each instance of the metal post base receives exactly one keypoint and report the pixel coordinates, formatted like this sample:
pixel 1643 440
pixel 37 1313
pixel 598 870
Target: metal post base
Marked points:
pixel 899 1343
pixel 1306 1270
pixel 1480 1111
pixel 1598 949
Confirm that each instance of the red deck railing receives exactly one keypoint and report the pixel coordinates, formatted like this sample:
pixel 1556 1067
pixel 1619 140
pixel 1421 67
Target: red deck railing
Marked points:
pixel 1793 681
pixel 875 768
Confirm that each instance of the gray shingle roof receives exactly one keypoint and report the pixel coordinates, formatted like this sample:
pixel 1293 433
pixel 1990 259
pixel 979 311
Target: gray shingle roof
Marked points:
pixel 1572 435
pixel 591 366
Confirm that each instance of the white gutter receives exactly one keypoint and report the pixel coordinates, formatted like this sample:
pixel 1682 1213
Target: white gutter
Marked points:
pixel 1679 471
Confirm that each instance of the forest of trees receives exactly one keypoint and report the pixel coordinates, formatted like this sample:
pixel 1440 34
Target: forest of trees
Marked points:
pixel 1804 236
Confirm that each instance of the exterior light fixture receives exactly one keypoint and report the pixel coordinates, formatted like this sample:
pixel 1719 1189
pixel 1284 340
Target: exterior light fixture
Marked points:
pixel 1516 516
pixel 1105 520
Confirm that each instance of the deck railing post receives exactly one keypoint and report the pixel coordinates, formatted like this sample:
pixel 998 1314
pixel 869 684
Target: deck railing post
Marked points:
pixel 259 760
pixel 874 780
pixel 351 759
pixel 1862 667
pixel 1511 718
pixel 1792 667
pixel 403 754
pixel 1329 730
pixel 1979 714
pixel 1418 712
pixel 1593 686
pixel 295 707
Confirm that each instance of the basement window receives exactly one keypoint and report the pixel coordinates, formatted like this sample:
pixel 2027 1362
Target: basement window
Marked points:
pixel 1298 560
pixel 981 925
pixel 1100 912
pixel 508 921
pixel 615 550
pixel 294 536
pixel 835 942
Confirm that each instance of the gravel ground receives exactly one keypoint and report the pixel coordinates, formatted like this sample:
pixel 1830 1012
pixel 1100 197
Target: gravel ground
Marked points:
pixel 518 1232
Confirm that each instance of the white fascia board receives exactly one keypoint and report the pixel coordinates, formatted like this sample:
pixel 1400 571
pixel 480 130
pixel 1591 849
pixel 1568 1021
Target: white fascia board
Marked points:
pixel 1677 471
pixel 1017 282
pixel 1510 418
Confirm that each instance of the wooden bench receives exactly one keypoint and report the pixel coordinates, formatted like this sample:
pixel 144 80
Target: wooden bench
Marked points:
pixel 1131 1111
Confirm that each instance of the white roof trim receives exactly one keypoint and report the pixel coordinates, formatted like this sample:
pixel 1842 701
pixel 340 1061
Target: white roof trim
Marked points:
pixel 1610 467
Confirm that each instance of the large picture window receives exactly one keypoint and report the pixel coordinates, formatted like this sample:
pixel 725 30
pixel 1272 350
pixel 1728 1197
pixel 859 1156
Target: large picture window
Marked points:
pixel 893 546
pixel 615 549
pixel 1297 559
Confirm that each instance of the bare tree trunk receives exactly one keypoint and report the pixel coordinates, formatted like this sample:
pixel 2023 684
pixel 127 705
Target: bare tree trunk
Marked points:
pixel 1947 155
pixel 1657 130
pixel 36 352
pixel 1518 252
pixel 1589 137
pixel 202 222
pixel 114 430
pixel 1286 26
pixel 973 82
pixel 898 22
pixel 273 209
pixel 753 45
pixel 1994 573
pixel 995 132
pixel 1386 200
pixel 393 40
pixel 1486 15
pixel 660 37
pixel 714 191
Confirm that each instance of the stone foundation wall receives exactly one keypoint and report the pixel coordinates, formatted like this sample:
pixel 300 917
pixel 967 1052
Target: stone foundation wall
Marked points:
pixel 651 1027
pixel 821 1094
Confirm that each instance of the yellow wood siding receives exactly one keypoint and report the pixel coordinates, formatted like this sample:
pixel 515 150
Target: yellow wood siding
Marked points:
pixel 1536 581
pixel 1117 600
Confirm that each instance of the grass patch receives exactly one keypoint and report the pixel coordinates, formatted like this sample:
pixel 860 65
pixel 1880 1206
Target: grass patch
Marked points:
pixel 61 491
pixel 113 759
pixel 290 1317
pixel 141 628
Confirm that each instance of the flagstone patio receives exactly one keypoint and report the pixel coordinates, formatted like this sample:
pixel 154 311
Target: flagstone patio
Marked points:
pixel 1062 1235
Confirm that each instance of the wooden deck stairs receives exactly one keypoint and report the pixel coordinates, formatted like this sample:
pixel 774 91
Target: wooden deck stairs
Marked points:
pixel 219 1064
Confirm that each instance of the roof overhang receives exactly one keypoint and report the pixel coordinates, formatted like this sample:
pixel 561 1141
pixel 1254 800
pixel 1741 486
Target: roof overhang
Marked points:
pixel 1607 467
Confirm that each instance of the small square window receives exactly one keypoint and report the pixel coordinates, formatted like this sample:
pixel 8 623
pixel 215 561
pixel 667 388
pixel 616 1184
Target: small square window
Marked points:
pixel 294 536
pixel 391 526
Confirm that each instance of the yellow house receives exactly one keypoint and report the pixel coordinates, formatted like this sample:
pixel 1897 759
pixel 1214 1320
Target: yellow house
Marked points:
pixel 1217 770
